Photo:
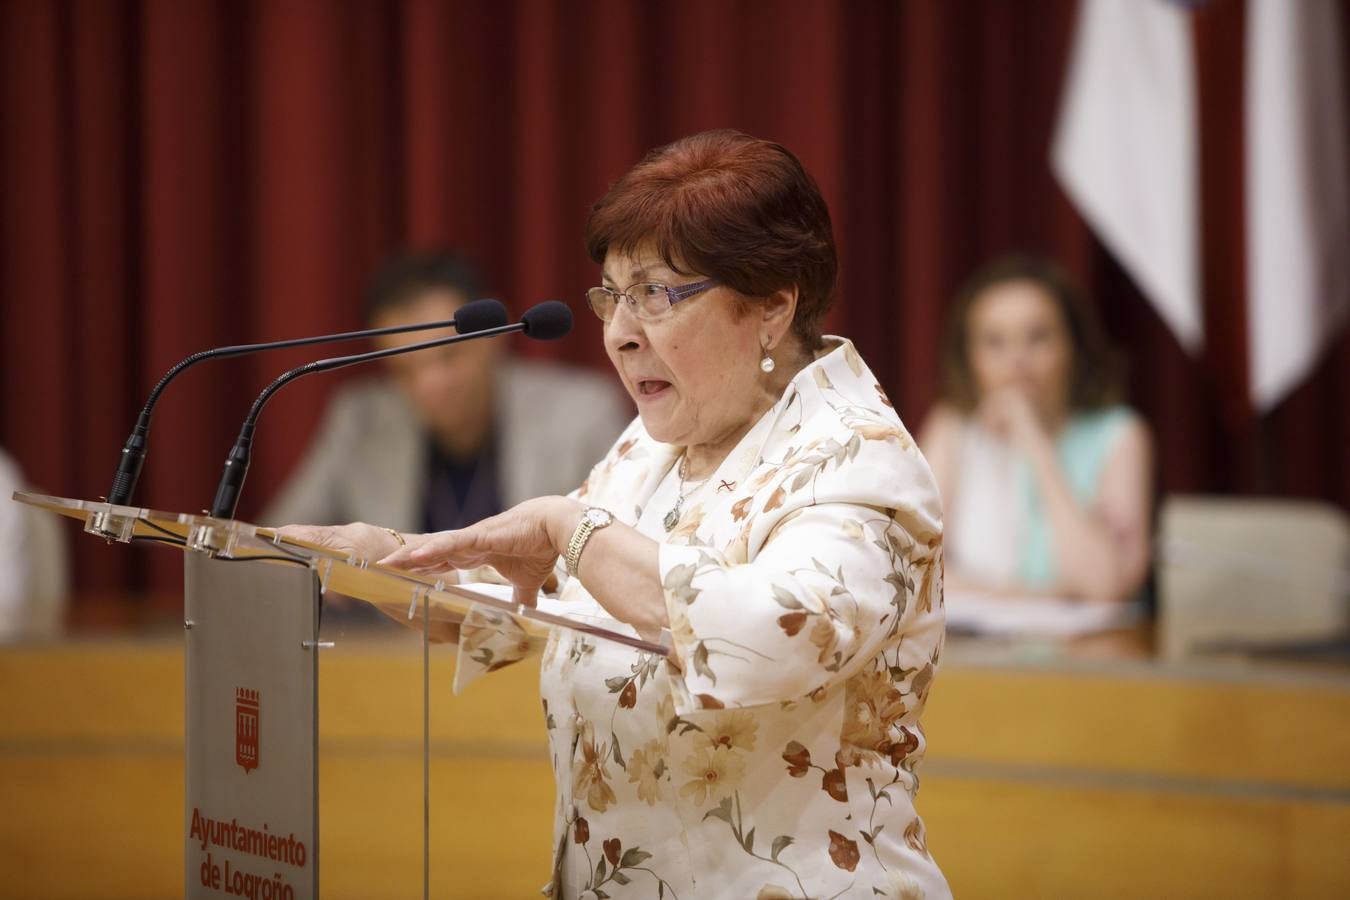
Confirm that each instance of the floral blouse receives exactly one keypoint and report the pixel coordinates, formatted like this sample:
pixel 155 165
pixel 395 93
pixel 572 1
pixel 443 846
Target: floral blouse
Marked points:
pixel 774 753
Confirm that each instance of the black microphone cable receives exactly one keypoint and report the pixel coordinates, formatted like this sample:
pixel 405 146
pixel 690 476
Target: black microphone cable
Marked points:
pixel 546 321
pixel 473 316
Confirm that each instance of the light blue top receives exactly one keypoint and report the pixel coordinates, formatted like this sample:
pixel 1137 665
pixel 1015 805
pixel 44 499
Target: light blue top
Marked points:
pixel 1082 449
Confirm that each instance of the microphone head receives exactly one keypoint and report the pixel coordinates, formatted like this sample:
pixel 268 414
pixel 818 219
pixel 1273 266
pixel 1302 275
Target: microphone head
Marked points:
pixel 547 321
pixel 479 315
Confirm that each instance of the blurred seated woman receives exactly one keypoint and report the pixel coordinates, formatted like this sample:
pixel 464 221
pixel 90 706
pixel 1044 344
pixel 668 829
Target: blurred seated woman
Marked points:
pixel 1045 476
pixel 769 509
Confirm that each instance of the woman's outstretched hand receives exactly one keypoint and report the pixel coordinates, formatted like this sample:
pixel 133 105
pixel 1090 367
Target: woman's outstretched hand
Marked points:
pixel 367 542
pixel 523 544
pixel 358 538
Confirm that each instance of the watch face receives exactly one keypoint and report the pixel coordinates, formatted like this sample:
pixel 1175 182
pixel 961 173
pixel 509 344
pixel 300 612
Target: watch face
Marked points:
pixel 598 518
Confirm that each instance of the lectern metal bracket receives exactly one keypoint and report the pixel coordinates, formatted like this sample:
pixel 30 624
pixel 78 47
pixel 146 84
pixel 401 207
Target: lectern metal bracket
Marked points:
pixel 110 527
pixel 213 539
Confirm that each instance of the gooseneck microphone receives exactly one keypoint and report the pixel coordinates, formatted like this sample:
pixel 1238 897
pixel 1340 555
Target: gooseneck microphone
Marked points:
pixel 473 316
pixel 546 321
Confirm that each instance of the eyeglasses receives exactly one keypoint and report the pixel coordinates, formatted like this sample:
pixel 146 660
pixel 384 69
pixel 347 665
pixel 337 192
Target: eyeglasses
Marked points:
pixel 646 299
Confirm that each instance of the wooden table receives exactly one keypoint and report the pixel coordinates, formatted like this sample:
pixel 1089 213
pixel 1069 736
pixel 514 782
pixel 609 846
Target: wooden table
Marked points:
pixel 1046 777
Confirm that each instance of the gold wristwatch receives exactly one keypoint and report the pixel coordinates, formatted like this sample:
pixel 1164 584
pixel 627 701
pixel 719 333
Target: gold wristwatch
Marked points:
pixel 592 520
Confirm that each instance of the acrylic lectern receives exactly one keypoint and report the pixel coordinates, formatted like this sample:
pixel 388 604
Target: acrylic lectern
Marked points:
pixel 252 605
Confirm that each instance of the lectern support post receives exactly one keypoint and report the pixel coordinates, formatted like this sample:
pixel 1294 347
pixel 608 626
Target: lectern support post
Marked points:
pixel 251 737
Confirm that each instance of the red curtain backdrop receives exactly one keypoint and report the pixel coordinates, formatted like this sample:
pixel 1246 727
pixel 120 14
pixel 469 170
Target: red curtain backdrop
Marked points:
pixel 177 174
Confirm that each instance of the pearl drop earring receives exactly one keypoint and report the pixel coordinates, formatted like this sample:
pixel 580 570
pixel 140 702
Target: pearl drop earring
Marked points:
pixel 766 364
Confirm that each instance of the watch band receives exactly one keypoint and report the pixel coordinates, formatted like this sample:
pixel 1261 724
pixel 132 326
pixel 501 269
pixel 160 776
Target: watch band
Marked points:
pixel 592 520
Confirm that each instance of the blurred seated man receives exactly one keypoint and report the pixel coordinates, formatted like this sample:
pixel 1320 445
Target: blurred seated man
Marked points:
pixel 1045 475
pixel 33 564
pixel 447 436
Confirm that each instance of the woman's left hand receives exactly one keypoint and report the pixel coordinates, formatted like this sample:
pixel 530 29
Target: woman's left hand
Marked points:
pixel 358 538
pixel 523 544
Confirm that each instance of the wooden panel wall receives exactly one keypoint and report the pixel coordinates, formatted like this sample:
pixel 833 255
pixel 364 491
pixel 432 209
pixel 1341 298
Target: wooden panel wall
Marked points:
pixel 1040 783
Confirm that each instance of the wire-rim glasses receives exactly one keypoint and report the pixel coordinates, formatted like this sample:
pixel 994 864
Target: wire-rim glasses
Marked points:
pixel 646 299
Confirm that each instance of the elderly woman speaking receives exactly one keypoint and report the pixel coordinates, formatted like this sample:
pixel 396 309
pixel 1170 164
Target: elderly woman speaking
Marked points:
pixel 770 509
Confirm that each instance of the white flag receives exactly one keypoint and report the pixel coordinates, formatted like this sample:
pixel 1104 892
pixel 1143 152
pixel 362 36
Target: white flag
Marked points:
pixel 1126 149
pixel 1298 203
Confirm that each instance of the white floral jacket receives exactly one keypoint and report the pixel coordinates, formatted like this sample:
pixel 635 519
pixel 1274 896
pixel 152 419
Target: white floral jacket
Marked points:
pixel 774 754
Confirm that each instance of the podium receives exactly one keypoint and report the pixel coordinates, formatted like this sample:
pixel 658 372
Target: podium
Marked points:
pixel 253 603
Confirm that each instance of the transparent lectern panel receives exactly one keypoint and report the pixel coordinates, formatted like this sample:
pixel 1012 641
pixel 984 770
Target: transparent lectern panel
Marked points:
pixel 386 702
pixel 488 782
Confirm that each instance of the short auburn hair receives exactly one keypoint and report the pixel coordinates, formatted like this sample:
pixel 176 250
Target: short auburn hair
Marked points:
pixel 731 207
pixel 1097 371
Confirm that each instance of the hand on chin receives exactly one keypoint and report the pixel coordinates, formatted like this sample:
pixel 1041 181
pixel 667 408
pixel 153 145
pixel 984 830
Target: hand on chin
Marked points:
pixel 1010 413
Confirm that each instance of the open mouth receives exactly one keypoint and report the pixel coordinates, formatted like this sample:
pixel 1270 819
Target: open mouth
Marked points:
pixel 650 387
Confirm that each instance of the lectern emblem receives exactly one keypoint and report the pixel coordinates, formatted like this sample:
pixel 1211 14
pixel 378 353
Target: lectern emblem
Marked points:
pixel 246 728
